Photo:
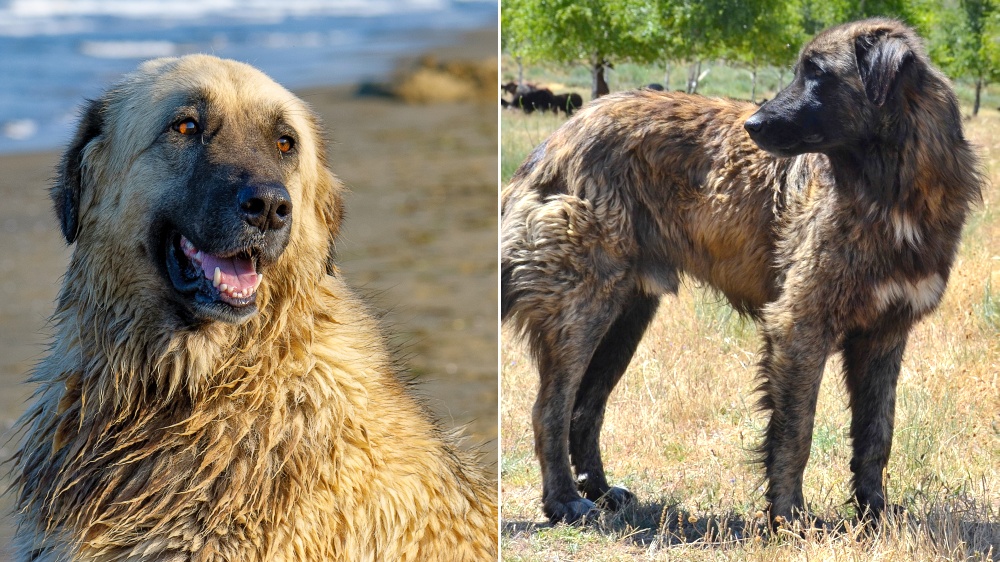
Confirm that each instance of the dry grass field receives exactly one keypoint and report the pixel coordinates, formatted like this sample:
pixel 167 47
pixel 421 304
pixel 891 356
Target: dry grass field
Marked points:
pixel 681 425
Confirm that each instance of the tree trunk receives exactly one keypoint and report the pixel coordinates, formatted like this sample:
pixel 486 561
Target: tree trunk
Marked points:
pixel 979 88
pixel 693 77
pixel 598 86
pixel 520 72
pixel 666 78
pixel 753 85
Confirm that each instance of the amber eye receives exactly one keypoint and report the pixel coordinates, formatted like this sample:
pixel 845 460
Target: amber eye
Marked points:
pixel 285 144
pixel 187 127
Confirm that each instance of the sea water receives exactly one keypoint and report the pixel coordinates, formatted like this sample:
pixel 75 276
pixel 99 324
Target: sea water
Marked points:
pixel 55 54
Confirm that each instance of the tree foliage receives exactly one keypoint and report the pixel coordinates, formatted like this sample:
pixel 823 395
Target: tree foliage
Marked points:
pixel 963 39
pixel 752 32
pixel 597 32
pixel 963 36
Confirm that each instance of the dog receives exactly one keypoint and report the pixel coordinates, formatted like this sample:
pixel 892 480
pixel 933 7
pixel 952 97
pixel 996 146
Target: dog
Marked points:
pixel 214 391
pixel 831 215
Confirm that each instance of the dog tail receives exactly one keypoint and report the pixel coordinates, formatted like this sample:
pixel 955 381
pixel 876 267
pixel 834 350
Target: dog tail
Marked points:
pixel 551 240
pixel 550 246
pixel 515 202
pixel 513 235
pixel 506 296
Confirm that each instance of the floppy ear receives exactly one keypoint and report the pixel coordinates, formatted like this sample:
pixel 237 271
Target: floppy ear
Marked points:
pixel 65 193
pixel 880 61
pixel 332 213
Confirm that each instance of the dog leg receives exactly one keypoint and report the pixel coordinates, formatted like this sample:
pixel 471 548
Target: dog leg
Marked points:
pixel 605 370
pixel 550 421
pixel 872 361
pixel 795 353
pixel 562 362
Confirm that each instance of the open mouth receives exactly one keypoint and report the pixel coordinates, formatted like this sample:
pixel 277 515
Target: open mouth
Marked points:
pixel 222 285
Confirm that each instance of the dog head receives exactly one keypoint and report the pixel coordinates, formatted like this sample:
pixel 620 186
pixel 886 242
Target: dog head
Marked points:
pixel 189 182
pixel 844 89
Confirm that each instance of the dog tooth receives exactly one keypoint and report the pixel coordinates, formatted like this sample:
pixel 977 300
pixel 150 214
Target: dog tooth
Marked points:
pixel 217 278
pixel 223 287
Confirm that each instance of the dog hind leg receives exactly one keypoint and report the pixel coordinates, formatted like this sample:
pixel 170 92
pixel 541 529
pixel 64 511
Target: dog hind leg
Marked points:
pixel 606 367
pixel 563 357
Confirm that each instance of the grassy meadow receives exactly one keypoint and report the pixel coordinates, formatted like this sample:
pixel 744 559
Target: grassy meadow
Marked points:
pixel 681 425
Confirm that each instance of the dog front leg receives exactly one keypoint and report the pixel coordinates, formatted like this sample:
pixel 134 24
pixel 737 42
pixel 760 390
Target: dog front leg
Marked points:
pixel 872 361
pixel 795 352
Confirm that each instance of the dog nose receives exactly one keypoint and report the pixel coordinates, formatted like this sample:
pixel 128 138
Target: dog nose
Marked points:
pixel 754 124
pixel 266 206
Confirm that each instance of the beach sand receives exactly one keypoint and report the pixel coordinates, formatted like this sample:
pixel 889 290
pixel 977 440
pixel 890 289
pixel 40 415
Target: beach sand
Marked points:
pixel 420 241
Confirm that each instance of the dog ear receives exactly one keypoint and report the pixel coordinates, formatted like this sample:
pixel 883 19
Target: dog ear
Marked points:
pixel 880 61
pixel 332 213
pixel 65 193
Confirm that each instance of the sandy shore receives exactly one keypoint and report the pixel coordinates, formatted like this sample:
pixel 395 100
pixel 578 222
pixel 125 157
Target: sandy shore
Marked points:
pixel 419 241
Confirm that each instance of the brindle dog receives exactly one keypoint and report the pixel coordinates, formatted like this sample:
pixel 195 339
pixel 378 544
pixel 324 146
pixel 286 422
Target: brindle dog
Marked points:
pixel 831 216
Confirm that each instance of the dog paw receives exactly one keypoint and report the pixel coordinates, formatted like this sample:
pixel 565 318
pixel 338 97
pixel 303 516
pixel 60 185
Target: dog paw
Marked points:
pixel 890 512
pixel 794 519
pixel 615 499
pixel 573 511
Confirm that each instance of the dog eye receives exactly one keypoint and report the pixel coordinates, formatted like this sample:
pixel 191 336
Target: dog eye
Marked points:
pixel 813 70
pixel 187 127
pixel 285 143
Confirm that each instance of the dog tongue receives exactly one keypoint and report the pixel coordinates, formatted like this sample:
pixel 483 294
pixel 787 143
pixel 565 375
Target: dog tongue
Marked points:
pixel 237 273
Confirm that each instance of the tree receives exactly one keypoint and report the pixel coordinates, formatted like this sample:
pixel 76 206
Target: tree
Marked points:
pixel 981 54
pixel 687 35
pixel 963 39
pixel 817 15
pixel 596 32
pixel 754 33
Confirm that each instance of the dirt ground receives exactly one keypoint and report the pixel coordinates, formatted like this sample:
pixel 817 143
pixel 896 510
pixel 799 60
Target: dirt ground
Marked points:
pixel 420 240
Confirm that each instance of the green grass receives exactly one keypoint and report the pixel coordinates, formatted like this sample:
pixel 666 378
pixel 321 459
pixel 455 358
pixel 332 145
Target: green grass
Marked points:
pixel 989 309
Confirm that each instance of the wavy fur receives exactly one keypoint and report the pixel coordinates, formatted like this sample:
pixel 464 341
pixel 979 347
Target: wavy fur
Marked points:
pixel 289 437
pixel 834 223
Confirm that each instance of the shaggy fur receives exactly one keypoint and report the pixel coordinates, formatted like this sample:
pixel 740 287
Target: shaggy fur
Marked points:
pixel 837 239
pixel 170 426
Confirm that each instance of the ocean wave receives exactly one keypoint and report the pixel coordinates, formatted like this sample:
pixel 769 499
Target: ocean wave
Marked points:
pixel 21 11
pixel 128 49
pixel 19 129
